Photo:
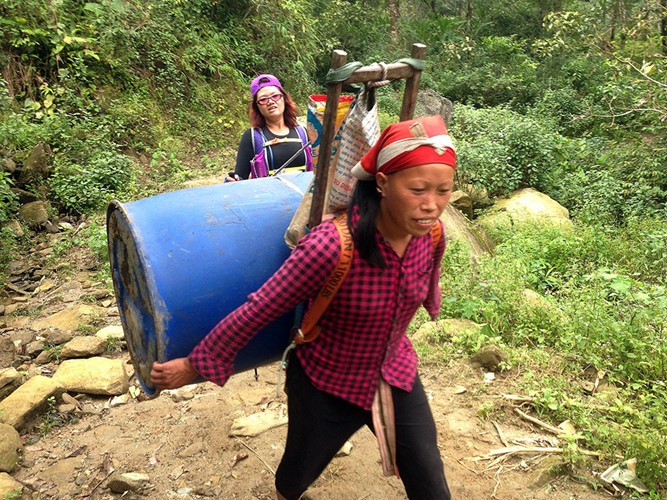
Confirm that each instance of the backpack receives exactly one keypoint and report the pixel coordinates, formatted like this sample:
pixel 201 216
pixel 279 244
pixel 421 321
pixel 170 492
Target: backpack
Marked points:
pixel 310 328
pixel 263 159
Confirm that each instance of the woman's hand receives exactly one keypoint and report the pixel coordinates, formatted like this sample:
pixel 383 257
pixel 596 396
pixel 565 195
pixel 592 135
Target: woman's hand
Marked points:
pixel 172 374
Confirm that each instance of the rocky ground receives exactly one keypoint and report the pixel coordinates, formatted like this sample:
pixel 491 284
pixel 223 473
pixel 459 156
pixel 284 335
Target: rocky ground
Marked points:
pixel 85 429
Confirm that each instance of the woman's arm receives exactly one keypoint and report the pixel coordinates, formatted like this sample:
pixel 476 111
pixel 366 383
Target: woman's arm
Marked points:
pixel 299 278
pixel 172 374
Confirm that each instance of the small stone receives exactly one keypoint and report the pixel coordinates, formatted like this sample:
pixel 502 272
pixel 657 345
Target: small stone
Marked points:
pixel 490 357
pixel 130 481
pixel 119 400
pixel 345 450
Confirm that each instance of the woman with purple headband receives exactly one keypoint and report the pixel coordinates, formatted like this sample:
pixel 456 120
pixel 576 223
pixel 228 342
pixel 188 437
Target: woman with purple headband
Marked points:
pixel 276 139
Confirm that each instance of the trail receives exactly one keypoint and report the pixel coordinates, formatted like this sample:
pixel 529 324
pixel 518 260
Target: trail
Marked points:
pixel 182 440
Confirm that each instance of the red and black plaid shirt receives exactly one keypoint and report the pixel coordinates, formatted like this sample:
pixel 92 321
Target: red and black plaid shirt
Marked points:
pixel 363 330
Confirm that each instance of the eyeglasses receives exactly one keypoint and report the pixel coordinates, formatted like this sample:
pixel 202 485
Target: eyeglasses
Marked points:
pixel 263 101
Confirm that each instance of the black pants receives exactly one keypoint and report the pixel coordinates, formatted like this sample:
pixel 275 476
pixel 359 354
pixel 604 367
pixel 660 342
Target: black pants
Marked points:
pixel 319 425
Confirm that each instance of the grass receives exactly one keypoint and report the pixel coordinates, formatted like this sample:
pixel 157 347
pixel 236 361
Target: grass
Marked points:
pixel 597 310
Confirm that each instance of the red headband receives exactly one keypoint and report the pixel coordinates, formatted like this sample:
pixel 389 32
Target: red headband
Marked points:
pixel 408 144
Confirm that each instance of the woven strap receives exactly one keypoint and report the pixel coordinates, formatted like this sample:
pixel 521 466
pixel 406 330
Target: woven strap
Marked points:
pixel 345 71
pixel 309 328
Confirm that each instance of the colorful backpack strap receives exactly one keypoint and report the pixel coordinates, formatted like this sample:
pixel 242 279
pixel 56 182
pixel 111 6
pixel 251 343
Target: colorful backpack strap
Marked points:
pixel 259 163
pixel 309 326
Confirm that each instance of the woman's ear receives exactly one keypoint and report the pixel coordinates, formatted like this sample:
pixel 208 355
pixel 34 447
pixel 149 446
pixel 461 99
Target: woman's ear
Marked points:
pixel 381 181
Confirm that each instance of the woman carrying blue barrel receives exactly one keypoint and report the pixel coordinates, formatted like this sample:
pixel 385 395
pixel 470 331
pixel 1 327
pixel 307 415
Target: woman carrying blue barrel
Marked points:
pixel 361 369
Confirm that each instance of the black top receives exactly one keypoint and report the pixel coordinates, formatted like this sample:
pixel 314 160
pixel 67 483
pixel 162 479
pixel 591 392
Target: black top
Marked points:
pixel 280 152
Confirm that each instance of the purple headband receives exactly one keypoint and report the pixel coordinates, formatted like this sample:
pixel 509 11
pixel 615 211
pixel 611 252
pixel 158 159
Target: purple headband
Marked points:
pixel 264 81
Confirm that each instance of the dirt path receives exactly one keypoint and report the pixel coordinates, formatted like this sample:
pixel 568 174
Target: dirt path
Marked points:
pixel 182 441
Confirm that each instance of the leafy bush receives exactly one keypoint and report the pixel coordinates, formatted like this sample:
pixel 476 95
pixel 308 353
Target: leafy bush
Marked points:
pixel 566 109
pixel 502 150
pixel 8 199
pixel 490 72
pixel 484 162
pixel 601 302
pixel 600 180
pixel 84 188
pixel 344 25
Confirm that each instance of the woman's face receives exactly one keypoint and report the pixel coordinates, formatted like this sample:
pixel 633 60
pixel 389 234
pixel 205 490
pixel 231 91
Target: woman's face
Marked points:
pixel 413 199
pixel 273 108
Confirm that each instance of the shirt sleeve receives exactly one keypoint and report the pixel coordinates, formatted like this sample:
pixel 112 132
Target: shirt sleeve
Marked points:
pixel 244 154
pixel 434 297
pixel 299 278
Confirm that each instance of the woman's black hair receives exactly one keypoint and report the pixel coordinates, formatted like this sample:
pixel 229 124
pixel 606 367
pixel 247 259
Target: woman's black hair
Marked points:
pixel 366 199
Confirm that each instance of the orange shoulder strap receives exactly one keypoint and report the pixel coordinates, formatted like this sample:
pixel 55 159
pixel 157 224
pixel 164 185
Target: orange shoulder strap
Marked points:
pixel 436 234
pixel 309 328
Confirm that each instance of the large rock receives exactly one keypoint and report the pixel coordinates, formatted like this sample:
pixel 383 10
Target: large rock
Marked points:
pixel 93 376
pixel 35 213
pixel 458 228
pixel 255 424
pixel 83 347
pixel 129 481
pixel 434 332
pixel 17 409
pixel 526 205
pixel 7 351
pixel 114 332
pixel 24 196
pixel 539 303
pixel 8 165
pixel 54 336
pixel 10 448
pixel 9 487
pixel 461 201
pixel 36 167
pixel 15 227
pixel 430 103
pixel 10 380
pixel 69 319
pixel 490 357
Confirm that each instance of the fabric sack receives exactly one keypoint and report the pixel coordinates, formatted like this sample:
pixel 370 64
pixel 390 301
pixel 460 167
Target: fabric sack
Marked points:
pixel 316 107
pixel 359 130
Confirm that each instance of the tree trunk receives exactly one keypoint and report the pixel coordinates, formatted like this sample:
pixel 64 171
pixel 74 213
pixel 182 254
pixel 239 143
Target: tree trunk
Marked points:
pixel 663 26
pixel 393 19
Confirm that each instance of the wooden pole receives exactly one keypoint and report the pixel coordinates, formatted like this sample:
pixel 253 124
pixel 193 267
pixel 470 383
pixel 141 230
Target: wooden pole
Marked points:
pixel 412 84
pixel 338 58
pixel 364 74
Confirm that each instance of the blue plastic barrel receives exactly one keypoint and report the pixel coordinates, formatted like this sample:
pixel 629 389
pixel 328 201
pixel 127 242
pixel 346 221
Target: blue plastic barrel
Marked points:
pixel 181 261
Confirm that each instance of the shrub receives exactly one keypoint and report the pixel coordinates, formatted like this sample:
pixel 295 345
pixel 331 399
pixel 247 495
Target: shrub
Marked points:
pixel 490 72
pixel 85 188
pixel 502 150
pixel 8 199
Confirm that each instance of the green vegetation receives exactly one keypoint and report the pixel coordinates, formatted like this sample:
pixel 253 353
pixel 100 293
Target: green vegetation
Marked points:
pixel 53 418
pixel 14 495
pixel 133 98
pixel 602 307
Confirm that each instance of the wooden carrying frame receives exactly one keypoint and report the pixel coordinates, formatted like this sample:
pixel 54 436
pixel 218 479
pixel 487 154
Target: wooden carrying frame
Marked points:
pixel 394 71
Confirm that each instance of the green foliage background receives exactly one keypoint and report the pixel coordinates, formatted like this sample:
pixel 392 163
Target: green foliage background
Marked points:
pixel 135 97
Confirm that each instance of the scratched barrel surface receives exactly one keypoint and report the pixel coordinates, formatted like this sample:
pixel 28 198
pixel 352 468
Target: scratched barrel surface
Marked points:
pixel 181 261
